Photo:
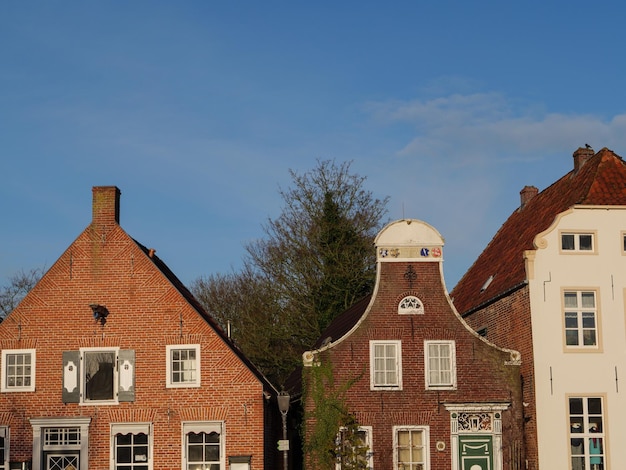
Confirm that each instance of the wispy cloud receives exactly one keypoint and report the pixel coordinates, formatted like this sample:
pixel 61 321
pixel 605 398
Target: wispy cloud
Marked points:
pixel 483 128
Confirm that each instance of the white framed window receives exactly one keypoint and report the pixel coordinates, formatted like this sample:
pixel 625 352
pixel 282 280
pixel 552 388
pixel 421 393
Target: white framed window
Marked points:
pixel 586 434
pixel 571 241
pixel 410 305
pixel 385 365
pixel 203 445
pixel 440 364
pixel 183 365
pixel 131 446
pixel 354 446
pixel 98 376
pixel 410 448
pixel 4 448
pixel 581 318
pixel 18 370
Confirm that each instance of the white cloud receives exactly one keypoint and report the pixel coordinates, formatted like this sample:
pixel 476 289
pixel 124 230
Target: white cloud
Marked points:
pixel 482 128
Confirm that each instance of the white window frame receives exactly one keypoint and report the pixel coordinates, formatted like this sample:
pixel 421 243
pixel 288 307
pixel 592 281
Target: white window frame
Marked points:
pixel 576 238
pixel 5 387
pixel 205 427
pixel 425 431
pixel 4 434
pixel 410 305
pixel 397 344
pixel 170 383
pixel 584 422
pixel 131 428
pixel 83 376
pixel 581 313
pixel 439 385
pixel 368 431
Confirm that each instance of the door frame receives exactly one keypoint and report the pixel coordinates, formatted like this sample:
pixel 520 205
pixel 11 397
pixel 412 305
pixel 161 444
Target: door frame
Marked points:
pixel 82 449
pixel 476 419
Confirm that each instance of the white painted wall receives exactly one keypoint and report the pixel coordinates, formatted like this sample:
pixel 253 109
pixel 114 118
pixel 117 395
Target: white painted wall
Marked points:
pixel 588 372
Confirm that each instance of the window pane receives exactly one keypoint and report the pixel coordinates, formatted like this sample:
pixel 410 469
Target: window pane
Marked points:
pixel 595 405
pixel 194 453
pixel 589 337
pixel 570 299
pixel 123 455
pixel 585 241
pixel 99 368
pixel 571 320
pixel 576 406
pixel 124 439
pixel 588 299
pixel 589 320
pixel 567 241
pixel 571 338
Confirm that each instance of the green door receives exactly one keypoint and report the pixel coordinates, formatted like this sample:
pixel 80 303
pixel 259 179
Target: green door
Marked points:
pixel 476 452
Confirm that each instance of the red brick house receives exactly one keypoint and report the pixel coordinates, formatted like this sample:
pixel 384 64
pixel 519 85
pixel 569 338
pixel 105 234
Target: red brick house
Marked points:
pixel 427 392
pixel 552 285
pixel 110 363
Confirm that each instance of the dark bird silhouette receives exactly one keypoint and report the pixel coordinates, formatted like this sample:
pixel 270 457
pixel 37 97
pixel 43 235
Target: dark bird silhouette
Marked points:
pixel 587 146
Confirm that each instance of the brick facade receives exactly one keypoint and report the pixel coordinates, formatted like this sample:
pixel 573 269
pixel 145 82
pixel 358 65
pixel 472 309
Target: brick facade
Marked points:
pixel 497 322
pixel 148 310
pixel 484 374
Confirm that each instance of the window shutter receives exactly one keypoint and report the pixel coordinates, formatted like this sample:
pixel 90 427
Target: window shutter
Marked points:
pixel 71 376
pixel 126 371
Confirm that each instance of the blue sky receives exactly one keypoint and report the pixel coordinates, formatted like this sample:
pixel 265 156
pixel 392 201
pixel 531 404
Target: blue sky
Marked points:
pixel 196 110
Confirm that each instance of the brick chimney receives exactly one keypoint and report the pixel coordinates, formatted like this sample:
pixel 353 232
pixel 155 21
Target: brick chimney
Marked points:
pixel 106 205
pixel 581 156
pixel 526 194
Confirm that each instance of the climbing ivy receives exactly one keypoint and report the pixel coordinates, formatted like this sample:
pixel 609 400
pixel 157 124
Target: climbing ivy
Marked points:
pixel 331 431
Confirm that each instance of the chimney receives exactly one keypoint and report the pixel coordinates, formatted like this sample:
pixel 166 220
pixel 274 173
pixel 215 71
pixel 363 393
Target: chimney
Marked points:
pixel 106 205
pixel 526 194
pixel 581 156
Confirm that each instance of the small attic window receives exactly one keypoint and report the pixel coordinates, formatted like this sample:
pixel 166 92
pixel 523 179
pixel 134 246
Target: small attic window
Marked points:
pixel 411 305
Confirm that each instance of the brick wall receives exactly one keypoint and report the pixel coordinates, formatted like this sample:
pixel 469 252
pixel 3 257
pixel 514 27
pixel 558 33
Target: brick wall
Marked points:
pixel 482 375
pixel 105 266
pixel 508 324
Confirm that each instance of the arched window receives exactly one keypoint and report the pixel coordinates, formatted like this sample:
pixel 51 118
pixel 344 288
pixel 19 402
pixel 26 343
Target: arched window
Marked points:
pixel 411 305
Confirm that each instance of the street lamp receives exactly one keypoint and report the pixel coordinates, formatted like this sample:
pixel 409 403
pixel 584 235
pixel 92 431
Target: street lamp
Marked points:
pixel 283 406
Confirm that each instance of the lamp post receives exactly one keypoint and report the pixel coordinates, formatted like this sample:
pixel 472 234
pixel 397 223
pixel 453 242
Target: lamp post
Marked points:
pixel 283 406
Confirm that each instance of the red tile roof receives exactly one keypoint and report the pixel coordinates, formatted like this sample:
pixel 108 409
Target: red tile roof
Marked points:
pixel 601 180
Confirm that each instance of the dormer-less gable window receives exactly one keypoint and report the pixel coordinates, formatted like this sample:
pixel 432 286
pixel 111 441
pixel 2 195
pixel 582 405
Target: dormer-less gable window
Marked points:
pixel 18 370
pixel 577 242
pixel 183 365
pixel 411 305
pixel 98 376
